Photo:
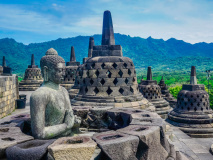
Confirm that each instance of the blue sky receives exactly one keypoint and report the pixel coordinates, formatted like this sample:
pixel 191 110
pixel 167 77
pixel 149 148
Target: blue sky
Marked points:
pixel 30 21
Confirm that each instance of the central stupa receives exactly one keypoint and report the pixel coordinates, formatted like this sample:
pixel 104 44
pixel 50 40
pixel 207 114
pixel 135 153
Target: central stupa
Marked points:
pixel 108 78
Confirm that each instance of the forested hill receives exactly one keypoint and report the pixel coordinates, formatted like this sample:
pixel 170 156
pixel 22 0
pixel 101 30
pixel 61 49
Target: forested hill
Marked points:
pixel 161 55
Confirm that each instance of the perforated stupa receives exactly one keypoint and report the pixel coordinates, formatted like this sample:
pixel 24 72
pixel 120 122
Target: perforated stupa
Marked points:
pixel 166 94
pixel 70 71
pixel 193 113
pixel 32 77
pixel 108 78
pixel 152 91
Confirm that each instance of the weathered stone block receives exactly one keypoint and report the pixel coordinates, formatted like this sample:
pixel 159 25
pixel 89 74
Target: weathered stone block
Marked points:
pixel 31 150
pixel 72 148
pixel 10 136
pixel 117 145
pixel 150 147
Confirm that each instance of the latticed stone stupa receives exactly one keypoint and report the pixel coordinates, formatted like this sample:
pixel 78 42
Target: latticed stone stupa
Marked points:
pixel 91 44
pixel 152 91
pixel 166 95
pixel 108 78
pixel 70 71
pixel 78 79
pixel 193 113
pixel 32 77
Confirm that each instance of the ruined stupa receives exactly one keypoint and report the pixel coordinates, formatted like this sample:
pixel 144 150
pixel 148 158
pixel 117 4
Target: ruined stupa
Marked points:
pixel 108 78
pixel 91 44
pixel 193 113
pixel 166 95
pixel 151 91
pixel 7 71
pixel 32 77
pixel 70 71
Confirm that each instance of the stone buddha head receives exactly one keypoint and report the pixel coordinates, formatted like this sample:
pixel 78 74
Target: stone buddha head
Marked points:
pixel 52 67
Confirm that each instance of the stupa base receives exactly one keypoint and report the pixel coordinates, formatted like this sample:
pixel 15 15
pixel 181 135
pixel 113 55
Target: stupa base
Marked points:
pixel 162 107
pixel 196 125
pixel 73 93
pixel 117 102
pixel 30 85
pixel 67 86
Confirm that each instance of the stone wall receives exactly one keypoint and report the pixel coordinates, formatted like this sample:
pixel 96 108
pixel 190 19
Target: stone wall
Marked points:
pixel 8 94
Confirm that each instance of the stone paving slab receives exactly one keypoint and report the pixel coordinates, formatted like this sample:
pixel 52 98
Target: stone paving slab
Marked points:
pixel 196 148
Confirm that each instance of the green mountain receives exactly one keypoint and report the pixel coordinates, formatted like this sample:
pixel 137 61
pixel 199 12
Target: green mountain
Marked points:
pixel 162 55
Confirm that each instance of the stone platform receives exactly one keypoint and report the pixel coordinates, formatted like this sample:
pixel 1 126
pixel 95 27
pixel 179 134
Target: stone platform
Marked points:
pixel 192 148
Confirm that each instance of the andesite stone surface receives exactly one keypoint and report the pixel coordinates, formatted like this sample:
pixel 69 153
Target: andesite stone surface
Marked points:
pixel 193 113
pixel 10 136
pixel 72 148
pixel 78 80
pixel 166 95
pixel 32 77
pixel 108 78
pixel 7 71
pixel 30 150
pixel 50 108
pixel 152 91
pixel 91 44
pixel 70 71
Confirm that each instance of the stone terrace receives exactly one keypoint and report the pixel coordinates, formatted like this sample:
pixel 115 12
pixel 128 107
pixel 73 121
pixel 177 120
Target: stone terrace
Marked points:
pixel 197 148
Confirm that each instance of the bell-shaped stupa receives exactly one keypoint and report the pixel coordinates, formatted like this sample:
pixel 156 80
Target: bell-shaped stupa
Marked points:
pixel 32 77
pixel 108 78
pixel 193 113
pixel 152 91
pixel 166 94
pixel 70 71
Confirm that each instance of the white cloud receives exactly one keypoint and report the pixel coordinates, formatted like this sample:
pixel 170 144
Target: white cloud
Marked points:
pixel 186 20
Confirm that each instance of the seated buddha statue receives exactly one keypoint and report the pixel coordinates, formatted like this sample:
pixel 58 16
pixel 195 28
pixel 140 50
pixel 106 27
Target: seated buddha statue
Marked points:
pixel 50 108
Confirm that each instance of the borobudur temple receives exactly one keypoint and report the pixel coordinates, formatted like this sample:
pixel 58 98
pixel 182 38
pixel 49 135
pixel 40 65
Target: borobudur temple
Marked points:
pixel 70 71
pixel 193 113
pixel 32 77
pixel 108 78
pixel 152 91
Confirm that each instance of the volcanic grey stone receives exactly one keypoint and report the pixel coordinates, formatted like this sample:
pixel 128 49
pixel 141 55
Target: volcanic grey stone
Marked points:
pixel 31 150
pixel 193 113
pixel 10 136
pixel 32 77
pixel 107 31
pixel 150 147
pixel 166 94
pixel 152 92
pixel 70 71
pixel 117 146
pixel 108 78
pixel 73 148
pixel 50 108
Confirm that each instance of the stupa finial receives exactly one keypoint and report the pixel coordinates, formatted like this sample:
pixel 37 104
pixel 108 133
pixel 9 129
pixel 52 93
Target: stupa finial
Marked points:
pixel 72 56
pixel 91 44
pixel 107 31
pixel 149 73
pixel 3 62
pixel 32 60
pixel 162 78
pixel 193 79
